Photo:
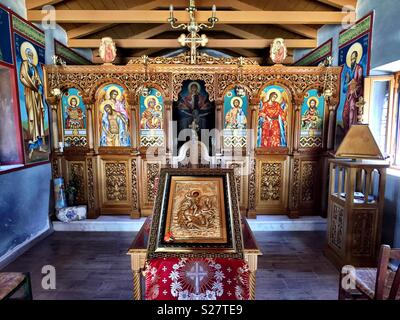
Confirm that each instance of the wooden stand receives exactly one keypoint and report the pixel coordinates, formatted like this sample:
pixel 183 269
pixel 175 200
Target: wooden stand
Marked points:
pixel 138 251
pixel 356 198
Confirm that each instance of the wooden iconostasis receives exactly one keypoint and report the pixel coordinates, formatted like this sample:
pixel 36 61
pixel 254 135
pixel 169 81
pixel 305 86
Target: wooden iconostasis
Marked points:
pixel 114 127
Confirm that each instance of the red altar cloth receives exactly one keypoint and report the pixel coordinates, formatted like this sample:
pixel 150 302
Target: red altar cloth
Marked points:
pixel 197 279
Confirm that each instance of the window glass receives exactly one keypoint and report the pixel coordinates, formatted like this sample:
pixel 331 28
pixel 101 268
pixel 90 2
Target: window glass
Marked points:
pixel 379 112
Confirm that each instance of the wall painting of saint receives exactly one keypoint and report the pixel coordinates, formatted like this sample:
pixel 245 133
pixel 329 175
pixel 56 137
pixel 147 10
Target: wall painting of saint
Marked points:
pixel 74 119
pixel 34 111
pixel 273 118
pixel 114 120
pixel 151 119
pixel 194 110
pixel 235 119
pixel 312 120
pixel 354 56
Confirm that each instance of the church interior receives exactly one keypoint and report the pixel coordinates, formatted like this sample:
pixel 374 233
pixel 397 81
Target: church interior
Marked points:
pixel 199 150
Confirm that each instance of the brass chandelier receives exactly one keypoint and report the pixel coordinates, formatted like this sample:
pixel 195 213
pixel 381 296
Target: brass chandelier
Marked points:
pixel 193 40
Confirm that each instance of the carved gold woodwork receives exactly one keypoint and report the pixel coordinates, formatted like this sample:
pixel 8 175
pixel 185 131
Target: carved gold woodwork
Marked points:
pixel 128 190
pixel 150 174
pixel 363 241
pixel 309 171
pixel 208 78
pixel 91 186
pixel 76 173
pixel 252 189
pixel 336 231
pixel 272 182
pixel 305 185
pixel 241 171
pixel 201 59
pixel 116 183
pixel 135 188
pixel 295 185
pixel 55 166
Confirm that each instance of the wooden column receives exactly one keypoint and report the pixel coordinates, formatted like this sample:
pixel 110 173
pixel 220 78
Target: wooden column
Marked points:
pixel 54 105
pixel 168 129
pixel 252 263
pixel 219 106
pixel 54 127
pixel 137 288
pixel 252 144
pixel 134 120
pixel 89 107
pixel 294 194
pixel 332 104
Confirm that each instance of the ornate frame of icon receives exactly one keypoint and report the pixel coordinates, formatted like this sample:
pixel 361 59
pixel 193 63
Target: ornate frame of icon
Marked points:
pixel 196 214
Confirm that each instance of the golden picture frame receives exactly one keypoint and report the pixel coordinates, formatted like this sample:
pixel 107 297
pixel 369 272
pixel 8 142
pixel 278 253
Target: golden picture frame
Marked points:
pixel 195 210
pixel 196 214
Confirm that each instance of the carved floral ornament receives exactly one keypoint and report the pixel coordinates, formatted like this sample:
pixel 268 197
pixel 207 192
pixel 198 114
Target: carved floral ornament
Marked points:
pixel 218 79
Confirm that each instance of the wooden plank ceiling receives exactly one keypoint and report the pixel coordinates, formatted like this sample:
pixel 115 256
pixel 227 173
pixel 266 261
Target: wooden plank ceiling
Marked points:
pixel 245 27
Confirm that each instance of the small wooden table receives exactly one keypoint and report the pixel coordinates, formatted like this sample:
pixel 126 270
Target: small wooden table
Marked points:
pixel 138 251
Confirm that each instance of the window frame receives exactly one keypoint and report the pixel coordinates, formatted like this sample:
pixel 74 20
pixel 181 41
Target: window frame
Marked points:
pixel 390 143
pixel 395 143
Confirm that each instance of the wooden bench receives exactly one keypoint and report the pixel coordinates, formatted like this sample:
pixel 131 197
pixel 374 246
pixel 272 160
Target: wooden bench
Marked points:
pixel 11 282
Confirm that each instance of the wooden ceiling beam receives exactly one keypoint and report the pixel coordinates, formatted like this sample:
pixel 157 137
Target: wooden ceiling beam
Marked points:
pixel 91 28
pixel 33 4
pixel 152 32
pixel 340 3
pixel 88 29
pixel 225 17
pixel 147 52
pixel 212 43
pixel 236 31
pixel 242 52
pixel 301 29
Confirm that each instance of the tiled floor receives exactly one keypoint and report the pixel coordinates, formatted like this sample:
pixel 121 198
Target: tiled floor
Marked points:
pixel 94 265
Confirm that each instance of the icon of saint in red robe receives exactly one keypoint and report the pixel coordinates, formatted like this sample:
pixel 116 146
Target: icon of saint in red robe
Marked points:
pixel 272 121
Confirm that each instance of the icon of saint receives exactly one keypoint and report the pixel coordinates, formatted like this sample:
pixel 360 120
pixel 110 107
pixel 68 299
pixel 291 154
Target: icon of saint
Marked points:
pixel 152 115
pixel 236 118
pixel 114 128
pixel 75 116
pixel 353 85
pixel 33 93
pixel 311 120
pixel 272 120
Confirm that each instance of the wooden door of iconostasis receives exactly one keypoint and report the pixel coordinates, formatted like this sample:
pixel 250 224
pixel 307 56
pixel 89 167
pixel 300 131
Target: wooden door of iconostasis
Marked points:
pixel 273 146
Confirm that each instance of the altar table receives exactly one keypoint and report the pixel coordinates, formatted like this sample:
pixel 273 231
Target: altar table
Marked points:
pixel 138 251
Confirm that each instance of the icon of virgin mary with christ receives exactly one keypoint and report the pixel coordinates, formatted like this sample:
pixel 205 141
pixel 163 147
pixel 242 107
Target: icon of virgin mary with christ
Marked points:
pixel 272 119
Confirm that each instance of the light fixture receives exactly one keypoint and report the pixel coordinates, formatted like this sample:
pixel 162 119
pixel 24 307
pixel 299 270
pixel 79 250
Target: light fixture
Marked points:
pixel 193 39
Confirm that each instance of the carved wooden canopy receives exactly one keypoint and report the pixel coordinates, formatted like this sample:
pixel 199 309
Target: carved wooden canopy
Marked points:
pixel 167 74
